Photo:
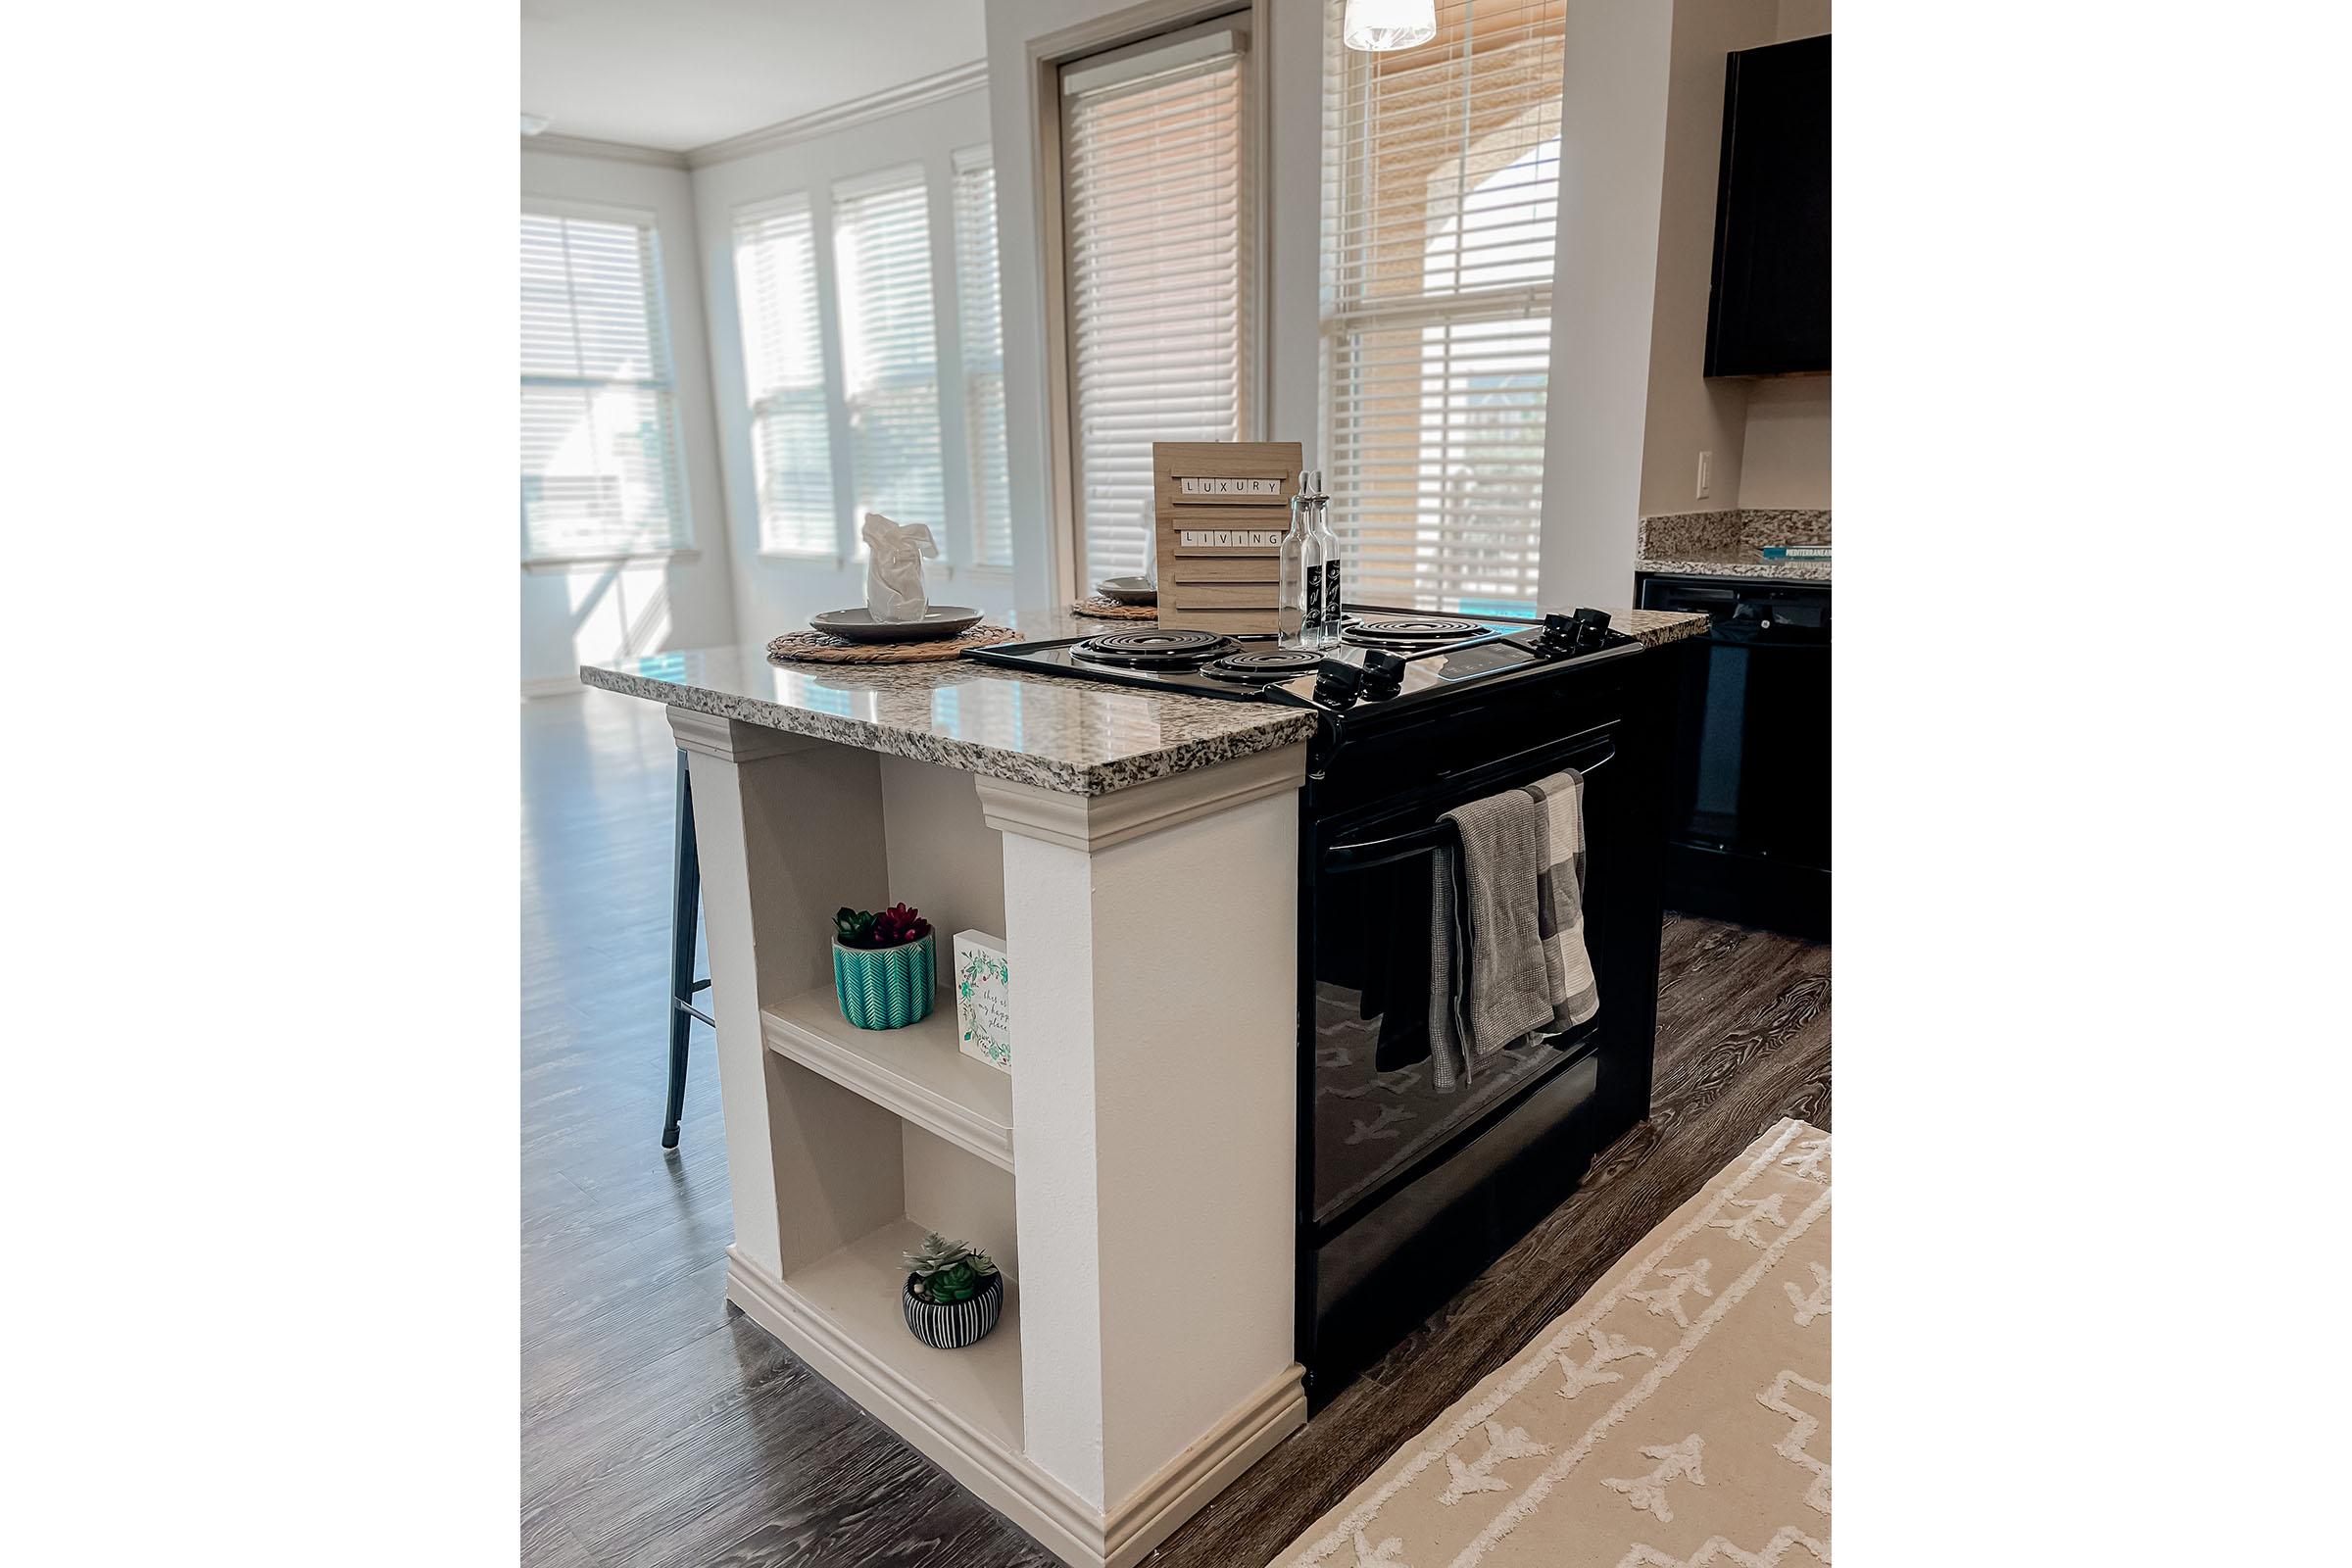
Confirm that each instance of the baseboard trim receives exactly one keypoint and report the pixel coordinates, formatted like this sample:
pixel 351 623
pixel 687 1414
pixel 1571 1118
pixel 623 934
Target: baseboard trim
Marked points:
pixel 1215 1460
pixel 1062 1522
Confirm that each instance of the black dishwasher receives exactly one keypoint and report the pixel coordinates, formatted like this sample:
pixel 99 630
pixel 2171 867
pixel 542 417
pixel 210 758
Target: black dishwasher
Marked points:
pixel 1749 817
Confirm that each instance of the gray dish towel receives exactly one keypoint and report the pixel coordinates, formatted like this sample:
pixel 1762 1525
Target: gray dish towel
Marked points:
pixel 1507 958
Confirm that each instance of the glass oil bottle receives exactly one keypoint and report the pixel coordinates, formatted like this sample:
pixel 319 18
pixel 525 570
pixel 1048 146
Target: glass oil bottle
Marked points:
pixel 1301 618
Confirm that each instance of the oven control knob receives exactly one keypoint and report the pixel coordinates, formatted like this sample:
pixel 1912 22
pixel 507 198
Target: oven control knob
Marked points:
pixel 1559 635
pixel 1384 675
pixel 1338 682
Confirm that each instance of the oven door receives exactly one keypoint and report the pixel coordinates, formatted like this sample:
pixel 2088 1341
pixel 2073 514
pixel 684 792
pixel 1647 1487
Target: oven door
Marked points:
pixel 1407 1192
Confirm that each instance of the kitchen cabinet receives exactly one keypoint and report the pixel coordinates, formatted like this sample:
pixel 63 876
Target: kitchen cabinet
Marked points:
pixel 1769 313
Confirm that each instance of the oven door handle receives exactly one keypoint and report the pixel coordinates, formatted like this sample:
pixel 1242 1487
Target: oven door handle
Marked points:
pixel 1582 741
pixel 1367 853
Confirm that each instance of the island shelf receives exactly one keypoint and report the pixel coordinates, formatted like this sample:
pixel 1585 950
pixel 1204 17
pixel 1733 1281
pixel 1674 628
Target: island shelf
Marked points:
pixel 856 1291
pixel 918 1073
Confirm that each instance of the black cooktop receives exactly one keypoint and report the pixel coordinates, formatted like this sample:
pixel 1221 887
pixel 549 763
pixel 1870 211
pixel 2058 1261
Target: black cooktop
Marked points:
pixel 1384 658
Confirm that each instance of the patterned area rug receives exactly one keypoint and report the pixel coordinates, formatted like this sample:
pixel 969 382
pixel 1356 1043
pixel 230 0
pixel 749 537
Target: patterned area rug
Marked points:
pixel 1676 1417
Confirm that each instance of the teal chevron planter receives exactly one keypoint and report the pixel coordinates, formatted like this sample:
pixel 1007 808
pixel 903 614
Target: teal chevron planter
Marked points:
pixel 884 988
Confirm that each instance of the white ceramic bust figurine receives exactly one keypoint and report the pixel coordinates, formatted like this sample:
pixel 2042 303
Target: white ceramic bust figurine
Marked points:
pixel 894 568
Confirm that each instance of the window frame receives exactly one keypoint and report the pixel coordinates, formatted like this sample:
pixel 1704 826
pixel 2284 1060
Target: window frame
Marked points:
pixel 683 545
pixel 1344 309
pixel 1048 55
pixel 894 178
pixel 816 205
pixel 820 195
pixel 964 161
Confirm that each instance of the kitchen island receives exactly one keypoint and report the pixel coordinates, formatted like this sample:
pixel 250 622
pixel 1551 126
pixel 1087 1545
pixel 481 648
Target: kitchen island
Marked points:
pixel 1135 1174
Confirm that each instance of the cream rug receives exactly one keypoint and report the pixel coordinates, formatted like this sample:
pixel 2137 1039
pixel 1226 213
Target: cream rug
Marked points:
pixel 1676 1417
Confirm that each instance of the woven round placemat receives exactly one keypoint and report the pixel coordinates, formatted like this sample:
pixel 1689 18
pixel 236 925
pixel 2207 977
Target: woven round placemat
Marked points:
pixel 817 648
pixel 1094 606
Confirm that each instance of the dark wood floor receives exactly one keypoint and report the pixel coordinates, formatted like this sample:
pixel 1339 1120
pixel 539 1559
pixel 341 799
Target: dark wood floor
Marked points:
pixel 660 1427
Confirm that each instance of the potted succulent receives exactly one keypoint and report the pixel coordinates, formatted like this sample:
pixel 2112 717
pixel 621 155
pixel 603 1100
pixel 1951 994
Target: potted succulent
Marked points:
pixel 953 1293
pixel 882 967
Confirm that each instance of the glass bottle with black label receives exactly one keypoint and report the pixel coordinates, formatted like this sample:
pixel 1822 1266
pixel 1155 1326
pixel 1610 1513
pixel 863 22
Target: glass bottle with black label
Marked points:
pixel 1319 518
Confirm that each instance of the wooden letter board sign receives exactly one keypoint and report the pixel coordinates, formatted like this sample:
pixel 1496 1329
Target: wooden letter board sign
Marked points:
pixel 1219 510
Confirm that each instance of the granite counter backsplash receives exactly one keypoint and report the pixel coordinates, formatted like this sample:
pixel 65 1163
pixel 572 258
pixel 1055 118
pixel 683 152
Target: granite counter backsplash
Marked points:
pixel 1727 544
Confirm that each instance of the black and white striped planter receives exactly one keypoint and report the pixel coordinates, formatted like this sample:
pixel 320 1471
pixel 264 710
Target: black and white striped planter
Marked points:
pixel 954 1325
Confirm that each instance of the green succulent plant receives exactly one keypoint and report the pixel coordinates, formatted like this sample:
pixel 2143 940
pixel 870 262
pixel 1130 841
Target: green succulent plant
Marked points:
pixel 860 928
pixel 948 1271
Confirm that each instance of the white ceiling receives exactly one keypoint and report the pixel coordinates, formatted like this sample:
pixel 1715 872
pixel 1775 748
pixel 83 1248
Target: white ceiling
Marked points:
pixel 681 73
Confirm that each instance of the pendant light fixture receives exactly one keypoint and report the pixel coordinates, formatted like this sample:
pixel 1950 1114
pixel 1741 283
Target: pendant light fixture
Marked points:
pixel 1374 26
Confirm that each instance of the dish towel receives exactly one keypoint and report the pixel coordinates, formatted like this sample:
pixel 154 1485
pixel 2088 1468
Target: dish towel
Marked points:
pixel 1560 897
pixel 1507 958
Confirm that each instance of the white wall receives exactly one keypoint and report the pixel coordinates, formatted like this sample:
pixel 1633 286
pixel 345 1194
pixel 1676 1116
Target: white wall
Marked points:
pixel 777 594
pixel 1687 412
pixel 1612 165
pixel 1802 18
pixel 577 614
pixel 1788 444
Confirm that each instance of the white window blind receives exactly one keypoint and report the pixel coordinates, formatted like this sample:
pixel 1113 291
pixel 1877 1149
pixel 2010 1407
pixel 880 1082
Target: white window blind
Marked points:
pixel 599 445
pixel 1440 197
pixel 1156 205
pixel 890 350
pixel 784 373
pixel 983 358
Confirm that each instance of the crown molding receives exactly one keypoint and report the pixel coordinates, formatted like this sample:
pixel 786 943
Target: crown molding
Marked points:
pixel 731 740
pixel 620 152
pixel 1094 823
pixel 840 116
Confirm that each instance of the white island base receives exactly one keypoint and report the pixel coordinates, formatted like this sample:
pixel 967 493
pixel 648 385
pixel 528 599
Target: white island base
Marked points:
pixel 1135 1174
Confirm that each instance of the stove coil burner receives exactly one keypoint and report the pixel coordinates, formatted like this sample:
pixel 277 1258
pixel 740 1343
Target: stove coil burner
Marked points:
pixel 1267 664
pixel 1155 650
pixel 1411 631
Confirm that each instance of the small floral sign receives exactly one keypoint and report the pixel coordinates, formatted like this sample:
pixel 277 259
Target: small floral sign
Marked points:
pixel 983 999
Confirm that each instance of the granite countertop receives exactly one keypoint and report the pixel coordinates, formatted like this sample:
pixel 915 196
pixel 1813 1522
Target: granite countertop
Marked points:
pixel 1079 737
pixel 1735 564
pixel 1728 544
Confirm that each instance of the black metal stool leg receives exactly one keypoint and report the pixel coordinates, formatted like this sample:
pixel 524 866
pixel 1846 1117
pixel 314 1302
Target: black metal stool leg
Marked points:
pixel 685 906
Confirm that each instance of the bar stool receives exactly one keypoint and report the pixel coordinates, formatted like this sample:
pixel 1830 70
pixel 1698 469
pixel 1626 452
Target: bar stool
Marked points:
pixel 686 895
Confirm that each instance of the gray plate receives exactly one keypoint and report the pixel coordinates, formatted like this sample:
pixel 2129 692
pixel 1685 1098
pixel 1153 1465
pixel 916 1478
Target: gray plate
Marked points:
pixel 1128 590
pixel 860 626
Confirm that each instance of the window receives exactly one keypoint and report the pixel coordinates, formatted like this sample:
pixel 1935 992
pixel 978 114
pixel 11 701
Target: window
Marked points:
pixel 784 372
pixel 983 358
pixel 600 432
pixel 1157 207
pixel 890 351
pixel 1440 195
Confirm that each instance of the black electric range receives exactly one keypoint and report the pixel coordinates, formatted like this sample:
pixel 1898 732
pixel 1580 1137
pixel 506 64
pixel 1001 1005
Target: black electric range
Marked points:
pixel 1406 1191
pixel 1383 661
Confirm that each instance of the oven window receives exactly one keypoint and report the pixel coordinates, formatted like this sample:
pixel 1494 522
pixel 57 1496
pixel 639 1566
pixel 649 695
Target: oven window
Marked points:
pixel 1377 1110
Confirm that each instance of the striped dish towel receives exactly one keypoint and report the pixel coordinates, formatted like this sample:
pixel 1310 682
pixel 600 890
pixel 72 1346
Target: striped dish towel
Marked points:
pixel 1560 900
pixel 1508 959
